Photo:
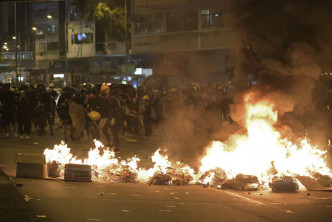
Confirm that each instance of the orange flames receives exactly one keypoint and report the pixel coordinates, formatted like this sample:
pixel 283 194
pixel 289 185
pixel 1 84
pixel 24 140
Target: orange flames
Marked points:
pixel 261 152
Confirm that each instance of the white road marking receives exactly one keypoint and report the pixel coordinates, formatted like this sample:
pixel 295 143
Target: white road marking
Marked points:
pixel 245 198
pixel 164 211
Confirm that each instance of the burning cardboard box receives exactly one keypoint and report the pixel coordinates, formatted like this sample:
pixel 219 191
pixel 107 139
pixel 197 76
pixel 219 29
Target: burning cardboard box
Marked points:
pixel 78 172
pixel 31 166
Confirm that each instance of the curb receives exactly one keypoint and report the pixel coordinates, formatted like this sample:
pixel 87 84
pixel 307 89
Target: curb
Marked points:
pixel 12 204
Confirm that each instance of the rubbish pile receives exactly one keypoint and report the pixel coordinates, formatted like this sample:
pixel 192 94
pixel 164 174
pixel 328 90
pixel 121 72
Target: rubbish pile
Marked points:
pixel 177 176
pixel 283 183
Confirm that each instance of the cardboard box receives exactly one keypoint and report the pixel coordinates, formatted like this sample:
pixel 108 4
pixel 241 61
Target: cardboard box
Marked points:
pixel 31 166
pixel 78 172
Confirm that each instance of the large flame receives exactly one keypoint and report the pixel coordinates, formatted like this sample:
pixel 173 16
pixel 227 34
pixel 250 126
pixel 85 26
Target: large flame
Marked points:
pixel 261 152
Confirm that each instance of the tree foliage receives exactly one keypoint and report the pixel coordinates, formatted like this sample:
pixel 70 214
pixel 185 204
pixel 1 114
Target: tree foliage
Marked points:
pixel 109 14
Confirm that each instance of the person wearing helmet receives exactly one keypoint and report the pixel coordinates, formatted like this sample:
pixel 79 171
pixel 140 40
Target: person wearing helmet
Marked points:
pixel 111 123
pixel 96 101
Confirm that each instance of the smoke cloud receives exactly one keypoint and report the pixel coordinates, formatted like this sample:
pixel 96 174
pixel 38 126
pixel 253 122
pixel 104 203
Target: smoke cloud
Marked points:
pixel 286 45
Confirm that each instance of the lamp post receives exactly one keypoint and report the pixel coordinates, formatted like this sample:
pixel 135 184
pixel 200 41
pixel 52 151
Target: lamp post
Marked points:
pixel 49 17
pixel 17 79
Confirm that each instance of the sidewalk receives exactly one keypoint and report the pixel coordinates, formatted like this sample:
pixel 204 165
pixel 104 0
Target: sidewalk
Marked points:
pixel 13 207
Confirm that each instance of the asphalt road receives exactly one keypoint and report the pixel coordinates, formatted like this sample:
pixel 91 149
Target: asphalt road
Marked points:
pixel 94 201
pixel 53 200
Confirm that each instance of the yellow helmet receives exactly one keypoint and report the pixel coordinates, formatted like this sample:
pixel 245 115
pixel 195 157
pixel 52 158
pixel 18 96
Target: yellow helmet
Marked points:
pixel 104 87
pixel 146 97
pixel 94 115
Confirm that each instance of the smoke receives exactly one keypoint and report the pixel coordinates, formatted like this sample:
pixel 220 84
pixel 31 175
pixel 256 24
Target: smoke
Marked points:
pixel 187 130
pixel 286 45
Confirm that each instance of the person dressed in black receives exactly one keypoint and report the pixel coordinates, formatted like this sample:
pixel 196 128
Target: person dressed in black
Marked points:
pixel 54 95
pixel 24 113
pixel 94 103
pixel 132 112
pixel 63 112
pixel 149 115
pixel 9 108
pixel 43 110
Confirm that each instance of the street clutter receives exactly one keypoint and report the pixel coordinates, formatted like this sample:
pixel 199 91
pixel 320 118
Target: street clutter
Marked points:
pixel 77 172
pixel 31 166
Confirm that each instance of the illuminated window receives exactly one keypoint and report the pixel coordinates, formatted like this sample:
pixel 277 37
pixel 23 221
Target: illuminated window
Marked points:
pixel 82 38
pixel 212 18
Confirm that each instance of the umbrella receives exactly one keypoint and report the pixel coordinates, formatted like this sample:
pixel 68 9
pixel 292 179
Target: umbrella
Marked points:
pixel 77 116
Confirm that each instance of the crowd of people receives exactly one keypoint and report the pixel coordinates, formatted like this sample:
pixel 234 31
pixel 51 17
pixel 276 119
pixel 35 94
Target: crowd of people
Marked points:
pixel 103 111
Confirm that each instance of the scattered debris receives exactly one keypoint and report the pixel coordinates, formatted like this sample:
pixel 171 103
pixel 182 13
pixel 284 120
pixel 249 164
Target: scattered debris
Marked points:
pixel 314 184
pixel 19 184
pixel 100 194
pixel 135 195
pixel 126 211
pixel 53 169
pixel 77 172
pixel 213 178
pixel 283 183
pixel 164 211
pixel 41 216
pixel 160 178
pixel 27 198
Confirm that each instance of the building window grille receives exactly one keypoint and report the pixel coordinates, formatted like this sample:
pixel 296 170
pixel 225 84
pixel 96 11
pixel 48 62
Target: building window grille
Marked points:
pixel 212 18
pixel 148 24
pixel 179 21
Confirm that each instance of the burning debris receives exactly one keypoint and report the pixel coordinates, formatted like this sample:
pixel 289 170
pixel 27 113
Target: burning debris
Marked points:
pixel 261 157
pixel 214 177
pixel 283 183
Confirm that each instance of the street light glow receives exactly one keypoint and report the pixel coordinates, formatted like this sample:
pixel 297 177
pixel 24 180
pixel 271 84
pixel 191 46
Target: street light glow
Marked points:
pixel 5 43
pixel 49 16
pixel 14 37
pixel 34 28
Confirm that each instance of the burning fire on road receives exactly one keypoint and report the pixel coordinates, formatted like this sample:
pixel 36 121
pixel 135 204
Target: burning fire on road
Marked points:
pixel 257 157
